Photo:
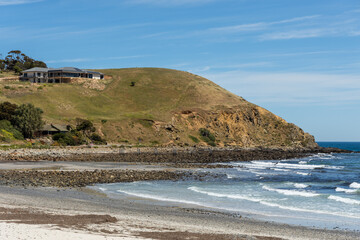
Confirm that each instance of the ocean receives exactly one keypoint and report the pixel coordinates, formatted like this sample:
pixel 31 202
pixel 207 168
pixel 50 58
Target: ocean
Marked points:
pixel 321 191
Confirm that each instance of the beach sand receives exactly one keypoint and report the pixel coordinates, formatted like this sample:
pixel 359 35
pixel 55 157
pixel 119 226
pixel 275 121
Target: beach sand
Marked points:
pixel 54 213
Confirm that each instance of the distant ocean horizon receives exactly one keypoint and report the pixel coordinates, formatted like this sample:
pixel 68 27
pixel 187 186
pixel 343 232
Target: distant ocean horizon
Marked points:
pixel 322 190
pixel 352 146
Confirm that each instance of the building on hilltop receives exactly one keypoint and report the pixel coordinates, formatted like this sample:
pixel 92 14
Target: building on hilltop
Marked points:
pixel 57 75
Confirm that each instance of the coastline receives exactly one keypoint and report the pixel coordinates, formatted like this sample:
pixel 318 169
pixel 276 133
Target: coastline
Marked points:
pixel 35 189
pixel 138 221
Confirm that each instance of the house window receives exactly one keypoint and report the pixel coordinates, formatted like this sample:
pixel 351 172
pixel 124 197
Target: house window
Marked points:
pixel 25 74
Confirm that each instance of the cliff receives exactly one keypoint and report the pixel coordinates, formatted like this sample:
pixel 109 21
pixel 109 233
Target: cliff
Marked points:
pixel 153 106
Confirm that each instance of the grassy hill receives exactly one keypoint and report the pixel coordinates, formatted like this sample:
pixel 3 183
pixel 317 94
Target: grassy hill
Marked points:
pixel 158 106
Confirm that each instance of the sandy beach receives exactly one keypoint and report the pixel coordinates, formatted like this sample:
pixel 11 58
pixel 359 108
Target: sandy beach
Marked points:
pixel 28 212
pixel 52 213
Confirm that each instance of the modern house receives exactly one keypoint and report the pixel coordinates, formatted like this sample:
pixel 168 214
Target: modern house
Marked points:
pixel 57 75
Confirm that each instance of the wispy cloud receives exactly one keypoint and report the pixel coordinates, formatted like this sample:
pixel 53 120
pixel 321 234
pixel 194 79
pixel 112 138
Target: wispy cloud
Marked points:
pixel 292 88
pixel 80 60
pixel 167 3
pixel 17 2
pixel 62 31
pixel 260 25
pixel 244 28
pixel 296 34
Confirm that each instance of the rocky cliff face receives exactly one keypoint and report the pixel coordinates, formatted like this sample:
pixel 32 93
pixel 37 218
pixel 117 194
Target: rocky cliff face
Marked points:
pixel 245 126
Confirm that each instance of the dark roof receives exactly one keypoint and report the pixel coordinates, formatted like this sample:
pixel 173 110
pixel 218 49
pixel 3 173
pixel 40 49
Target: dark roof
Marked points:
pixel 64 69
pixel 54 128
pixel 68 69
pixel 87 71
pixel 38 69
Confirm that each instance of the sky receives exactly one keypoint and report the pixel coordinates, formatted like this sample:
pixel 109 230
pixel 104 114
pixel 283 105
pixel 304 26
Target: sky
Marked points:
pixel 299 59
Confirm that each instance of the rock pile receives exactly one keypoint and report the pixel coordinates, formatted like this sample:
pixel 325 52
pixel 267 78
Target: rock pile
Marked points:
pixel 82 178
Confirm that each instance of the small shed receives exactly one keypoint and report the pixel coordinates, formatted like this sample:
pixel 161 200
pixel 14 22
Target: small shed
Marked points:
pixel 51 129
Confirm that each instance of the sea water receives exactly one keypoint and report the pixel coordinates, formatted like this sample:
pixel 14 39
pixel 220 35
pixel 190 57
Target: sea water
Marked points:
pixel 321 191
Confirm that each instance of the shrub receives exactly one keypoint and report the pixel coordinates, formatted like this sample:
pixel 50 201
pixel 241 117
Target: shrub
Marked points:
pixel 84 125
pixel 28 119
pixel 97 139
pixel 207 136
pixel 7 111
pixel 7 87
pixel 67 139
pixel 146 123
pixel 9 131
pixel 194 139
pixel 103 121
pixel 132 84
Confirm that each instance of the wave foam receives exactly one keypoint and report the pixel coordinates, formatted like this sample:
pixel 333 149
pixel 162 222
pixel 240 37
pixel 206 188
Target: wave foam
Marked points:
pixel 300 165
pixel 302 173
pixel 355 185
pixel 232 196
pixel 269 204
pixel 292 192
pixel 159 198
pixel 339 189
pixel 300 185
pixel 344 200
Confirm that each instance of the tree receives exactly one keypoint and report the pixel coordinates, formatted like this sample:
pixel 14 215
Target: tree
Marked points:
pixel 2 65
pixel 28 119
pixel 7 111
pixel 18 61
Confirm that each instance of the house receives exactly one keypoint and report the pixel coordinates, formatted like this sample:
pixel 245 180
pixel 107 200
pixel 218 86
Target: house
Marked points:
pixel 51 129
pixel 57 75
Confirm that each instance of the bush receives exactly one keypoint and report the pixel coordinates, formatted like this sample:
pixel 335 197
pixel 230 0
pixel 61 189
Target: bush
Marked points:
pixel 28 119
pixel 207 136
pixel 194 139
pixel 9 131
pixel 7 111
pixel 84 125
pixel 96 138
pixel 67 139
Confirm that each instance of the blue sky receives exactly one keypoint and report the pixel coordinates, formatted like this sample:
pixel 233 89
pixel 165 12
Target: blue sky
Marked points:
pixel 298 58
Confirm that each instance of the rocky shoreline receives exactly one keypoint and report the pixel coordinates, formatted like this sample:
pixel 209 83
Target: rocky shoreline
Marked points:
pixel 180 159
pixel 83 178
pixel 159 155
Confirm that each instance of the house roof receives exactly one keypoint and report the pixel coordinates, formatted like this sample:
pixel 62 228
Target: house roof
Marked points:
pixel 54 128
pixel 64 69
pixel 38 69
pixel 68 69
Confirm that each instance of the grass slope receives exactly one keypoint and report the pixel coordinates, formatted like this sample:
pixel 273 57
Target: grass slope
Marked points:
pixel 157 92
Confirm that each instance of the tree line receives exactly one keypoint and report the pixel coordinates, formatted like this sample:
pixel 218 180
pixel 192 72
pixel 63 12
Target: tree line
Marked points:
pixel 17 62
pixel 25 120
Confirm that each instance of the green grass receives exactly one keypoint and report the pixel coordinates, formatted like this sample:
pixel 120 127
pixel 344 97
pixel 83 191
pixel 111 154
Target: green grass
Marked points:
pixel 194 139
pixel 156 94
